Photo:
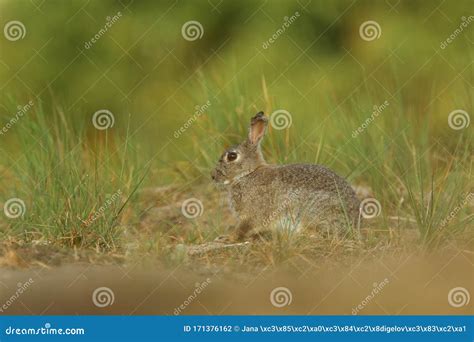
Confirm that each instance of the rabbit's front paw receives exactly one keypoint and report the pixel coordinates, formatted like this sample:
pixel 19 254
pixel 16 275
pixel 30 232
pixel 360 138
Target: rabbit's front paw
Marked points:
pixel 226 239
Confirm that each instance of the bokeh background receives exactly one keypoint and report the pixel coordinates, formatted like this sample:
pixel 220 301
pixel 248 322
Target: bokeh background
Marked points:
pixel 142 67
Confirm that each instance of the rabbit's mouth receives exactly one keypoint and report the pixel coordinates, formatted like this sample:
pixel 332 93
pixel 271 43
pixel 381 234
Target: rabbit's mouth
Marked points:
pixel 219 177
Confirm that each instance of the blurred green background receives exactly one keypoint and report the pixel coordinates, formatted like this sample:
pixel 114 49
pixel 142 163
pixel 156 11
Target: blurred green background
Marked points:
pixel 143 67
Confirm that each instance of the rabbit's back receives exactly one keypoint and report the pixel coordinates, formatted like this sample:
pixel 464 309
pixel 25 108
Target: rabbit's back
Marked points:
pixel 312 194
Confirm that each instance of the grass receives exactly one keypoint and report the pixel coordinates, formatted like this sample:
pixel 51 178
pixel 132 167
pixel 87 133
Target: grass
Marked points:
pixel 68 170
pixel 66 173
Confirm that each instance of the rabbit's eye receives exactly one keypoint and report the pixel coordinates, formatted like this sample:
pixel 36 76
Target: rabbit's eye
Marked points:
pixel 231 156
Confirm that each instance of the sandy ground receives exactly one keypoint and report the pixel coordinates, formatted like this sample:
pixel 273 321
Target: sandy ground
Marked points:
pixel 409 284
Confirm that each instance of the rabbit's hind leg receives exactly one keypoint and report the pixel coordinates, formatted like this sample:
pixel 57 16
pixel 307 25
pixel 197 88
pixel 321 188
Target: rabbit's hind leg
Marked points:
pixel 237 234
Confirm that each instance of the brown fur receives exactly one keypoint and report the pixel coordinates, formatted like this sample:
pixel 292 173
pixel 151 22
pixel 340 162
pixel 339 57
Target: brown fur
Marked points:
pixel 264 196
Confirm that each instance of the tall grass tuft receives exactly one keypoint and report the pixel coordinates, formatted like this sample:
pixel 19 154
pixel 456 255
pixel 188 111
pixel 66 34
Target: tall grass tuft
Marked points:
pixel 76 181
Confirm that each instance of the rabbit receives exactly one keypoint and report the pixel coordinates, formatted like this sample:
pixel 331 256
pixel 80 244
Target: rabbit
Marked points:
pixel 265 196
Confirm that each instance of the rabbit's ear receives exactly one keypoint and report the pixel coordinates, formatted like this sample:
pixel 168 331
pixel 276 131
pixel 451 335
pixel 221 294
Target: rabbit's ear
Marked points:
pixel 258 125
